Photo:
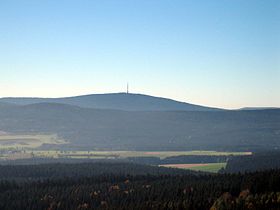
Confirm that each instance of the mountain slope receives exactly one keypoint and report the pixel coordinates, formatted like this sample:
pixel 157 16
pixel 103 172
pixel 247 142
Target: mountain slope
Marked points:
pixel 258 108
pixel 118 101
pixel 88 129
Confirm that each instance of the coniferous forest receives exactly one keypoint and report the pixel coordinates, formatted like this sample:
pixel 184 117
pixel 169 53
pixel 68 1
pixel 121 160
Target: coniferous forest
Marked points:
pixel 132 186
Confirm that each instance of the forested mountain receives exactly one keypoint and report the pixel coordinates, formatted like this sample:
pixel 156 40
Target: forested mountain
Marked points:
pixel 119 101
pixel 154 130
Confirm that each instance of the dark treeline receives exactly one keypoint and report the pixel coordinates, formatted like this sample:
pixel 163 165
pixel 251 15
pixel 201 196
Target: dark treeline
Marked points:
pixel 107 188
pixel 87 169
pixel 140 160
pixel 256 162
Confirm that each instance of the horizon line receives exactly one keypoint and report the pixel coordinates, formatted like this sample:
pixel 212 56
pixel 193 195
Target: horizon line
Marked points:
pixel 129 93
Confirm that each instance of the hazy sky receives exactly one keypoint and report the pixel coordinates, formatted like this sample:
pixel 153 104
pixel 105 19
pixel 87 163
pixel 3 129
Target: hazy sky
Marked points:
pixel 223 53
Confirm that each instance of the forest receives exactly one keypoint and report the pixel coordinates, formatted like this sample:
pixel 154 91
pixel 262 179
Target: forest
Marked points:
pixel 100 129
pixel 133 186
pixel 258 161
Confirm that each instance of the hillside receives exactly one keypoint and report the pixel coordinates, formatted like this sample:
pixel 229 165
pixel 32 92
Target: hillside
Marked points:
pixel 118 101
pixel 126 186
pixel 86 128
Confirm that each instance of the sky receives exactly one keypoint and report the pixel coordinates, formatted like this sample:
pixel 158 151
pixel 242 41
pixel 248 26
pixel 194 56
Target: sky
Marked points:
pixel 219 53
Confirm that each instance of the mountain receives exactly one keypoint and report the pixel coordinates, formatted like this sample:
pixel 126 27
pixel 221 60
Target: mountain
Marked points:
pixel 258 108
pixel 117 101
pixel 4 104
pixel 95 129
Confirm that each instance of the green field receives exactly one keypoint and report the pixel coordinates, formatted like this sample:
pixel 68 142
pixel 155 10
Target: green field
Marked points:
pixel 17 146
pixel 206 167
pixel 211 167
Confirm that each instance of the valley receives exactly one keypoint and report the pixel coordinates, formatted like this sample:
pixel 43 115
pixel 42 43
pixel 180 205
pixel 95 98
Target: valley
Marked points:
pixel 119 130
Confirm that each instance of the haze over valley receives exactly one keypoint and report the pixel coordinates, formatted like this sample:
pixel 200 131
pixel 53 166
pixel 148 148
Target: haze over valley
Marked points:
pixel 139 122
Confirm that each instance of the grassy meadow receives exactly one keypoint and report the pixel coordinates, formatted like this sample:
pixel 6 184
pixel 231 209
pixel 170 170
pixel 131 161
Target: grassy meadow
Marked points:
pixel 25 141
pixel 25 146
pixel 127 154
pixel 206 167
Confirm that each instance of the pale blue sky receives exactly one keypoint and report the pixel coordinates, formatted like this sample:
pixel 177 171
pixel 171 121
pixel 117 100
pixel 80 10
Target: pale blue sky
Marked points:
pixel 223 53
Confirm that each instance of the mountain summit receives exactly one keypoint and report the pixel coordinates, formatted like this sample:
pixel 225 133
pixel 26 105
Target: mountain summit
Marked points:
pixel 117 101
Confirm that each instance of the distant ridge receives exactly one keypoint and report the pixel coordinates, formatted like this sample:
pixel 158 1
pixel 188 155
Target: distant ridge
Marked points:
pixel 258 108
pixel 6 104
pixel 105 129
pixel 117 101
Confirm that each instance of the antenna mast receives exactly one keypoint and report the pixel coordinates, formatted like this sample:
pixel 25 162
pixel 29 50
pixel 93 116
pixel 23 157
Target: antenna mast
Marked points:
pixel 127 88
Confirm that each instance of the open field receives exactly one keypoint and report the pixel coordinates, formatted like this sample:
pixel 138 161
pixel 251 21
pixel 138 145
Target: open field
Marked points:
pixel 207 167
pixel 24 146
pixel 127 154
pixel 29 151
pixel 28 141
